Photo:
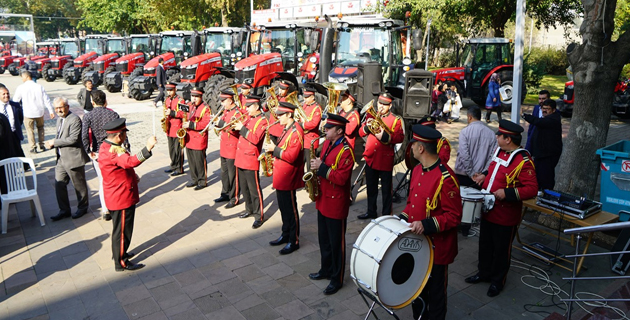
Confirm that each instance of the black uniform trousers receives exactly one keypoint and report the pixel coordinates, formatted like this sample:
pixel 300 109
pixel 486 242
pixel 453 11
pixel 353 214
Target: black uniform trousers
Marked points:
pixel 371 180
pixel 177 155
pixel 287 203
pixel 433 295
pixel 332 246
pixel 249 185
pixel 198 166
pixel 495 251
pixel 228 179
pixel 122 221
pixel 546 172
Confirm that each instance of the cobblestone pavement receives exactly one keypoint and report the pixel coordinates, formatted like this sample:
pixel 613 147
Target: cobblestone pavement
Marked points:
pixel 203 262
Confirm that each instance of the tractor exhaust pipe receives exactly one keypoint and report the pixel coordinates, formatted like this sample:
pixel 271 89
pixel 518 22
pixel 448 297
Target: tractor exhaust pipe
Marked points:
pixel 326 50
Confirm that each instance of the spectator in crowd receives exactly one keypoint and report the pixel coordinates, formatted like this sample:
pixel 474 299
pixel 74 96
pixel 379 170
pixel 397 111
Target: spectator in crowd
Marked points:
pixel 493 101
pixel 10 132
pixel 85 96
pixel 542 96
pixel 34 100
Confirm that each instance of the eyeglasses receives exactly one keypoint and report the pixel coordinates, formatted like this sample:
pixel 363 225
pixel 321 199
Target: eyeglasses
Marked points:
pixel 546 108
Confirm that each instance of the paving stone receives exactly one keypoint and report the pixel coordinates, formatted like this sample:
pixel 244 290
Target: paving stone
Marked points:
pixel 278 271
pixel 71 313
pixel 35 307
pixel 191 314
pixel 141 308
pixel 248 302
pixel 155 316
pixel 346 315
pixel 278 297
pixel 327 307
pixel 233 287
pixel 264 260
pixel 227 313
pixel 294 310
pixel 188 278
pixel 293 282
pixel 225 253
pixel 260 312
pixel 112 313
pixel 20 281
pixel 248 273
pixel 211 302
pixel 236 262
pixel 131 295
pixel 166 291
pixel 217 273
pixel 263 284
pixel 246 245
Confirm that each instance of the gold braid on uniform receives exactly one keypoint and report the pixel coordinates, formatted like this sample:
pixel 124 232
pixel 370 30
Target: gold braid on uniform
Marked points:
pixel 334 166
pixel 117 149
pixel 432 203
pixel 512 178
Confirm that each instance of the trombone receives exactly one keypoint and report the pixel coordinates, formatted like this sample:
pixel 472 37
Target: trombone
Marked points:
pixel 233 121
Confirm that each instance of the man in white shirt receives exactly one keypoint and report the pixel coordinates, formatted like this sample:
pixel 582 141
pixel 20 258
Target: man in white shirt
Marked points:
pixel 34 100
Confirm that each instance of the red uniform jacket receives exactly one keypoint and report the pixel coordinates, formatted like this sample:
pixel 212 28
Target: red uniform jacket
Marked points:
pixel 229 137
pixel 242 98
pixel 444 150
pixel 288 166
pixel 120 184
pixel 434 200
pixel 199 118
pixel 175 118
pixel 311 125
pixel 518 179
pixel 334 179
pixel 250 142
pixel 352 126
pixel 379 155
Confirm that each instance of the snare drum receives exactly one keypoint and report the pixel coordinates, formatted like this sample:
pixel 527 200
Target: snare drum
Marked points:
pixel 391 262
pixel 471 204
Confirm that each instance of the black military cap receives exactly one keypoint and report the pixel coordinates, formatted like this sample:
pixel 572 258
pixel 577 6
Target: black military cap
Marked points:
pixel 428 121
pixel 284 84
pixel 425 134
pixel 352 97
pixel 196 92
pixel 308 91
pixel 115 126
pixel 171 86
pixel 385 98
pixel 509 128
pixel 226 94
pixel 285 107
pixel 335 120
pixel 251 99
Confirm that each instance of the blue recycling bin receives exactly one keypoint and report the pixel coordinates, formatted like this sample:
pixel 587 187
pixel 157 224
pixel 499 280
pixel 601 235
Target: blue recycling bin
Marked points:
pixel 615 178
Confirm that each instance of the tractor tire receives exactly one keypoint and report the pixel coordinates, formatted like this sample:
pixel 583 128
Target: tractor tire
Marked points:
pixel 45 75
pixel 212 91
pixel 507 104
pixel 2 70
pixel 110 87
pixel 15 73
pixel 86 70
pixel 140 94
pixel 172 75
pixel 67 78
pixel 135 73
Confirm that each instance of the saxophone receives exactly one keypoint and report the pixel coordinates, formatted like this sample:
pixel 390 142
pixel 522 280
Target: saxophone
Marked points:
pixel 164 121
pixel 181 133
pixel 310 178
pixel 266 158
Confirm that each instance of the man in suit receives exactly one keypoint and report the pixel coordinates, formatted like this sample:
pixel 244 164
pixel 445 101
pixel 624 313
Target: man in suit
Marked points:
pixel 11 118
pixel 14 114
pixel 71 160
pixel 160 80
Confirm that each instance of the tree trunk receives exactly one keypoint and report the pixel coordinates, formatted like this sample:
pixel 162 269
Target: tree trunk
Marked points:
pixel 596 63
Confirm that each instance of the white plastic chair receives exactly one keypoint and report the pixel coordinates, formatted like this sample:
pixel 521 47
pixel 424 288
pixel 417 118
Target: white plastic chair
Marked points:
pixel 17 188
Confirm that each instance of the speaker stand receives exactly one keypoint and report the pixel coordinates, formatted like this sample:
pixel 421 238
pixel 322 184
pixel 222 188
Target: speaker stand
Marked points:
pixel 403 183
pixel 358 182
pixel 366 295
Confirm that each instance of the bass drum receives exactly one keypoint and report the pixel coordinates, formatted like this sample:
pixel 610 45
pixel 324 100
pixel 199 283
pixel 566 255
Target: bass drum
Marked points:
pixel 391 262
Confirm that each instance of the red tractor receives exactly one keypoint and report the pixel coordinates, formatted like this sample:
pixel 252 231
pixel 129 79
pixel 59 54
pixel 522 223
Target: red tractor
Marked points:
pixel 6 60
pixel 95 45
pixel 173 47
pixel 18 63
pixel 480 59
pixel 115 47
pixel 47 50
pixel 142 47
pixel 69 49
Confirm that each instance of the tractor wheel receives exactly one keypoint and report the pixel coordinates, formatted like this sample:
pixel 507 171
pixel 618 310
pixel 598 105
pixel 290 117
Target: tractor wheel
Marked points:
pixel 212 90
pixel 16 72
pixel 69 79
pixel 135 73
pixel 86 70
pixel 110 87
pixel 2 70
pixel 140 94
pixel 174 77
pixel 45 75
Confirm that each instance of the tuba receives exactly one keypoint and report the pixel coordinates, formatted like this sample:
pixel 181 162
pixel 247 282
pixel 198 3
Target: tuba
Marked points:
pixel 265 158
pixel 310 178
pixel 375 124
pixel 237 101
pixel 272 99
pixel 300 115
pixel 334 91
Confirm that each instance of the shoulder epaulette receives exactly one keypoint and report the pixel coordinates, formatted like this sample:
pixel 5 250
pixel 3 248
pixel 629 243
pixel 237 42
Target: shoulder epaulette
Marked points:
pixel 117 150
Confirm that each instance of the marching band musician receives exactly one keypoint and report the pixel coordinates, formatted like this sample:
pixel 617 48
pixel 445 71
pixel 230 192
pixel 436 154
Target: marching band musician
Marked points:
pixel 196 143
pixel 443 146
pixel 334 168
pixel 245 90
pixel 348 111
pixel 229 140
pixel 434 208
pixel 379 157
pixel 120 186
pixel 250 142
pixel 288 170
pixel 511 178
pixel 283 90
pixel 174 118
pixel 313 111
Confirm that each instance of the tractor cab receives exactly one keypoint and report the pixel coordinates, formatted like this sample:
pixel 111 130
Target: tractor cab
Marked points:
pixel 68 49
pixel 143 43
pixel 178 43
pixel 290 39
pixel 115 47
pixel 141 48
pixel 229 42
pixel 71 47
pixel 46 48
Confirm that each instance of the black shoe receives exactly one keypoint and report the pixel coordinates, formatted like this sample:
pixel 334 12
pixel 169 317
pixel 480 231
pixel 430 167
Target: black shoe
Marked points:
pixel 199 187
pixel 168 171
pixel 79 214
pixel 365 216
pixel 130 255
pixel 318 276
pixel 279 241
pixel 493 291
pixel 331 289
pixel 231 205
pixel 34 150
pixel 60 216
pixel 222 198
pixel 42 149
pixel 130 266
pixel 244 215
pixel 191 184
pixel 474 279
pixel 257 224
pixel 176 173
pixel 107 216
pixel 289 248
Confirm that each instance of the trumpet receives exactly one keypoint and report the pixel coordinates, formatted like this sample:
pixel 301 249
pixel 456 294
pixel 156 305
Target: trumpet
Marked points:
pixel 334 91
pixel 265 158
pixel 233 121
pixel 375 124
